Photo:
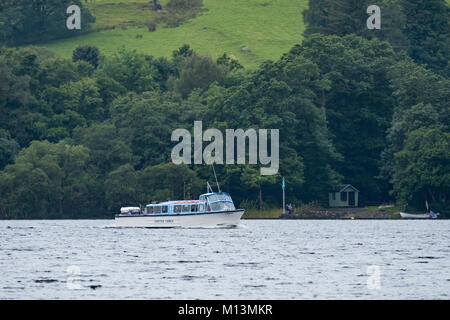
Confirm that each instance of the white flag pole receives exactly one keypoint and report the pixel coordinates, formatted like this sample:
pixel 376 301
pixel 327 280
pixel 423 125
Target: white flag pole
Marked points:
pixel 283 187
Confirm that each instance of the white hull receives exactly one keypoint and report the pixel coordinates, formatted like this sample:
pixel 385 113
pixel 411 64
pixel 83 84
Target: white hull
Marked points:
pixel 414 216
pixel 218 219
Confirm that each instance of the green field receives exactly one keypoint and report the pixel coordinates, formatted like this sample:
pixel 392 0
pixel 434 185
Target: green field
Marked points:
pixel 268 28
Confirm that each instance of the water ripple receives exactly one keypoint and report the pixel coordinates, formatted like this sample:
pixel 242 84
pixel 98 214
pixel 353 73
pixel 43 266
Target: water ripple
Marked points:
pixel 259 260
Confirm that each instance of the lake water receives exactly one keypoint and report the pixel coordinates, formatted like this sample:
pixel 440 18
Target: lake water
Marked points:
pixel 261 259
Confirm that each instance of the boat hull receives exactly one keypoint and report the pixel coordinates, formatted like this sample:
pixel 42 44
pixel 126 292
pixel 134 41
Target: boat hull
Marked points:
pixel 201 220
pixel 414 216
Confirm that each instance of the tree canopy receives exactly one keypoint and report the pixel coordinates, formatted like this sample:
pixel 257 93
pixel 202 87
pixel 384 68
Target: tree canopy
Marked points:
pixel 81 137
pixel 33 21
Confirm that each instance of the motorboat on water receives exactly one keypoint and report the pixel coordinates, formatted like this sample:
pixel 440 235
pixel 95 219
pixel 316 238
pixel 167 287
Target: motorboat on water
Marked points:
pixel 215 209
pixel 405 215
pixel 429 215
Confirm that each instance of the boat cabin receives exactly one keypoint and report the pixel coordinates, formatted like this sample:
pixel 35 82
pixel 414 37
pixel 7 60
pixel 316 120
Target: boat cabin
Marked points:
pixel 209 202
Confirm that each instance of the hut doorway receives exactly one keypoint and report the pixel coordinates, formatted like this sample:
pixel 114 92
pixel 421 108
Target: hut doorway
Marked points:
pixel 351 198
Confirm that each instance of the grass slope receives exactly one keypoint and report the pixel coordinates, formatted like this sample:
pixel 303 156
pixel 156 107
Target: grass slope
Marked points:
pixel 268 28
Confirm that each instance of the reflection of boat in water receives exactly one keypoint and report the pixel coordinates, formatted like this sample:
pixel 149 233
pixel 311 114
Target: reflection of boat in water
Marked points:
pixel 418 215
pixel 211 210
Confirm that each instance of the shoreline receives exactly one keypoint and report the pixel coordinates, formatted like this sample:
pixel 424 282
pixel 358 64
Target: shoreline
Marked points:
pixel 364 213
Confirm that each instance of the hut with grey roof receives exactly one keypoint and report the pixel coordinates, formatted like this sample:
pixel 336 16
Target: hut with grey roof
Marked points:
pixel 344 195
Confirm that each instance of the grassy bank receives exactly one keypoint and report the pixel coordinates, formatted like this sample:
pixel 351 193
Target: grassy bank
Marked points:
pixel 268 28
pixel 262 214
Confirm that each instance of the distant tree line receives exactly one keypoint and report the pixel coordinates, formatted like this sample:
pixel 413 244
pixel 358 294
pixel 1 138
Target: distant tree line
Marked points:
pixel 417 138
pixel 419 27
pixel 38 21
pixel 79 138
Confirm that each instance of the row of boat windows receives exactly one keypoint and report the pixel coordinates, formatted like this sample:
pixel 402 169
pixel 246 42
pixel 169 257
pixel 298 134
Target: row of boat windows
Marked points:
pixel 176 208
pixel 185 208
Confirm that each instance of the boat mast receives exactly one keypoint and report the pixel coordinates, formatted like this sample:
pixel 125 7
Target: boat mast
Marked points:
pixel 215 176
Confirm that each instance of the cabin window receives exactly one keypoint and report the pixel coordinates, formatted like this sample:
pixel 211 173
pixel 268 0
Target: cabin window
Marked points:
pixel 230 206
pixel 213 198
pixel 217 206
pixel 194 207
pixel 185 208
pixel 202 198
pixel 164 209
pixel 221 197
pixel 177 209
pixel 343 196
pixel 157 209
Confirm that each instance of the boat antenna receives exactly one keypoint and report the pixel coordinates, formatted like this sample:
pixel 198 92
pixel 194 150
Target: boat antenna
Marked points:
pixel 215 176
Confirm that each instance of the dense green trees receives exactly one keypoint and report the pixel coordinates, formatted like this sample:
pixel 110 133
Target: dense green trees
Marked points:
pixel 197 72
pixel 8 148
pixel 358 103
pixel 396 94
pixel 420 27
pixel 277 97
pixel 168 181
pixel 32 21
pixel 415 159
pixel 89 54
pixel 132 70
pixel 82 137
pixel 428 30
pixel 340 17
pixel 422 170
pixel 47 180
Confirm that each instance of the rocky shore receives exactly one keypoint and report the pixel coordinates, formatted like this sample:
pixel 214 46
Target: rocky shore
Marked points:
pixel 343 213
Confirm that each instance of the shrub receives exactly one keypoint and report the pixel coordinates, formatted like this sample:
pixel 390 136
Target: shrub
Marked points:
pixel 89 54
pixel 176 12
pixel 151 25
pixel 183 5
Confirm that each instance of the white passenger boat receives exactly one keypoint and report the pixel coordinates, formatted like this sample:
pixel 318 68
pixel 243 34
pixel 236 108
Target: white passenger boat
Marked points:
pixel 211 210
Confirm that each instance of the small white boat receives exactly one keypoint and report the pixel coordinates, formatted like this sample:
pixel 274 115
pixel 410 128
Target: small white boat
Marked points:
pixel 417 216
pixel 211 210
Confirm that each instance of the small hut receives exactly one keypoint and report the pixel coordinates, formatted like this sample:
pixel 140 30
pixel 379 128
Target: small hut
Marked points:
pixel 344 195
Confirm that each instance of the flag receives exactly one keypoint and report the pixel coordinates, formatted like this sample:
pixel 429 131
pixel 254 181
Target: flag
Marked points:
pixel 208 188
pixel 283 185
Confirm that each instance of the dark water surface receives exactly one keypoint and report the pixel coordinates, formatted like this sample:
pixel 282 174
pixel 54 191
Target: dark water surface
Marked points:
pixel 269 259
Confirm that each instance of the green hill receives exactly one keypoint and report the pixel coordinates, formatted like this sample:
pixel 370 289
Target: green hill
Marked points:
pixel 268 28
